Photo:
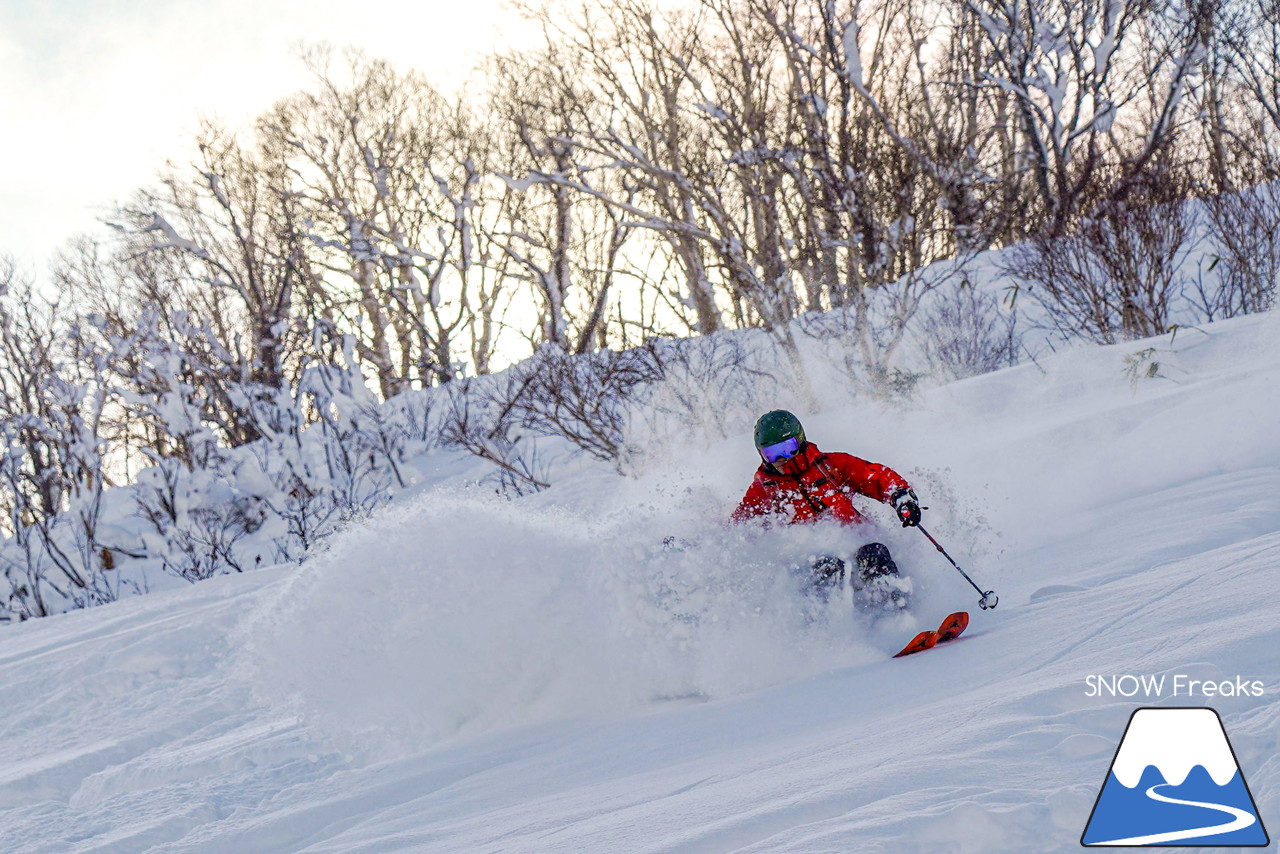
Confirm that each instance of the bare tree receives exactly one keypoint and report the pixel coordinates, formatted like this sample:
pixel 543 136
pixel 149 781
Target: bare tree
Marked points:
pixel 396 183
pixel 1250 40
pixel 1073 69
pixel 638 64
pixel 563 235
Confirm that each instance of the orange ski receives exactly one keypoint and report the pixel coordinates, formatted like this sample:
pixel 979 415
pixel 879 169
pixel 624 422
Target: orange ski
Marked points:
pixel 953 626
pixel 919 643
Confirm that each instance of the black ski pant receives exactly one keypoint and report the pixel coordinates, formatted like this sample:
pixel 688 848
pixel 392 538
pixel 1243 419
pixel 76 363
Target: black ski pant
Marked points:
pixel 872 561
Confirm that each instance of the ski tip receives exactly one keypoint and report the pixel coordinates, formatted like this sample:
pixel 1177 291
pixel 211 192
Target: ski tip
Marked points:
pixel 919 643
pixel 953 626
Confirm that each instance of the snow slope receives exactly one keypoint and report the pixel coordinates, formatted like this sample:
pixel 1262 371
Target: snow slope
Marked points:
pixel 468 674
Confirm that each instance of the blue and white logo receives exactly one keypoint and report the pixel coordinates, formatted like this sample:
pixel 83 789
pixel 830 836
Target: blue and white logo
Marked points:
pixel 1175 782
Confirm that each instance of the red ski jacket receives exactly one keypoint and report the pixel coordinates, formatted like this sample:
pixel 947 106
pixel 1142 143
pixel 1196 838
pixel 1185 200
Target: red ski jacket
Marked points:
pixel 813 485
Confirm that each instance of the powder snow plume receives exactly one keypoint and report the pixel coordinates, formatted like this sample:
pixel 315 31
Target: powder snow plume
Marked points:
pixel 459 614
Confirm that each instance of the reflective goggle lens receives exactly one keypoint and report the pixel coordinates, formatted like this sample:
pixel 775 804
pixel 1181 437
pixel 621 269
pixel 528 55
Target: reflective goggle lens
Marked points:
pixel 783 450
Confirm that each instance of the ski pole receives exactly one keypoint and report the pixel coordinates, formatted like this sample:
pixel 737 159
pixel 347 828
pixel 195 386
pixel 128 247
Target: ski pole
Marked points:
pixel 989 598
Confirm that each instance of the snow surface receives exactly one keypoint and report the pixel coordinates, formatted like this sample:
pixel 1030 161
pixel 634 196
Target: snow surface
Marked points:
pixel 467 674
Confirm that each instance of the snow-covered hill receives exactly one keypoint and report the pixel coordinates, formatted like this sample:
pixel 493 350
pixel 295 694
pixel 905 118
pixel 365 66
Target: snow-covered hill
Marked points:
pixel 472 674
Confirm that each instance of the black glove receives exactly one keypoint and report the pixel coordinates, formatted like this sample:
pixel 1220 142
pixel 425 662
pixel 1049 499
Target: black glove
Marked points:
pixel 904 503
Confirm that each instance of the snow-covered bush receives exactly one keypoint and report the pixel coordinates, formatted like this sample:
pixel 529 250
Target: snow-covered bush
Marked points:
pixel 707 388
pixel 585 398
pixel 480 419
pixel 196 519
pixel 1245 269
pixel 53 394
pixel 963 333
pixel 1116 276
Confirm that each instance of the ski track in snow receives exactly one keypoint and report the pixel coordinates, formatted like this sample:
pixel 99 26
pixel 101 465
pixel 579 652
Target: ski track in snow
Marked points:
pixel 311 710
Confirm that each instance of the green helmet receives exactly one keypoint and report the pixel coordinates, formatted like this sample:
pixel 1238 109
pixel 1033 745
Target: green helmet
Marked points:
pixel 778 426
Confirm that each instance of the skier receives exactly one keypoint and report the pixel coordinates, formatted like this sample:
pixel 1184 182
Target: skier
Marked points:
pixel 798 483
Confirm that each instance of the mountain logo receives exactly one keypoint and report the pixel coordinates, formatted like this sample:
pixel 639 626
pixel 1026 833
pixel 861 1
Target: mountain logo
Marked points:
pixel 1175 782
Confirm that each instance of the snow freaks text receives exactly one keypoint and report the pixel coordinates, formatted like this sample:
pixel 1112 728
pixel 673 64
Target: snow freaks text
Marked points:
pixel 1179 685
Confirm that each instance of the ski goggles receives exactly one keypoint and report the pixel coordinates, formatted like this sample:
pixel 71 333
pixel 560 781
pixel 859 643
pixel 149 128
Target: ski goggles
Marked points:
pixel 784 450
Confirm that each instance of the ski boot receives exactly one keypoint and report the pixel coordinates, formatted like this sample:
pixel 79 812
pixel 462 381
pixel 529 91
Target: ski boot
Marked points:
pixel 826 575
pixel 818 576
pixel 877 586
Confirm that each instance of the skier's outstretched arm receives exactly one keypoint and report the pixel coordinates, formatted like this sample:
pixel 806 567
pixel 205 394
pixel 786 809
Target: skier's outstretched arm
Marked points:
pixel 879 482
pixel 755 503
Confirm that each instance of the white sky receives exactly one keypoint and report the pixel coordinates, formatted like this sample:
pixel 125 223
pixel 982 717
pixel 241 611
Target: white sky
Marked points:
pixel 95 95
